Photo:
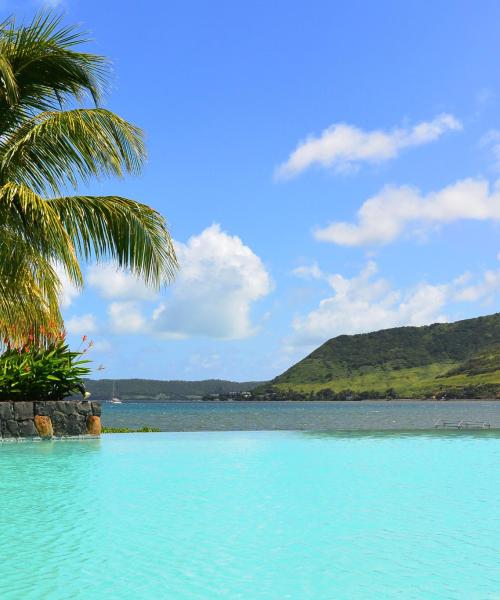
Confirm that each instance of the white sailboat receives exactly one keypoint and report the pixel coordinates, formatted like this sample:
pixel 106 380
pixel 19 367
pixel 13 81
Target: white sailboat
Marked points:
pixel 114 397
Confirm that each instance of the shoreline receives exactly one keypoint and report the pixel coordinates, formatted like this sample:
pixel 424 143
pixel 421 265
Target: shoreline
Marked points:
pixel 364 401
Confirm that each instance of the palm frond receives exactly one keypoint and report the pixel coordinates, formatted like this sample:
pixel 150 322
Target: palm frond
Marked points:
pixel 132 234
pixel 48 71
pixel 56 148
pixel 8 83
pixel 43 54
pixel 29 293
pixel 34 221
pixel 43 149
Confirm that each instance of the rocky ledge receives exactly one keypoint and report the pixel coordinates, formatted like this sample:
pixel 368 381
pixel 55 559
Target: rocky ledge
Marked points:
pixel 50 418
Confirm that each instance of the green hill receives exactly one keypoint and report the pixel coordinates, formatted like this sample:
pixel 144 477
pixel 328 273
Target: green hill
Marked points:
pixel 153 390
pixel 459 359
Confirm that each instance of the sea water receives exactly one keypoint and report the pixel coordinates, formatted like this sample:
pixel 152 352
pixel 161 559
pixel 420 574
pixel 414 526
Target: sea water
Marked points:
pixel 253 516
pixel 317 416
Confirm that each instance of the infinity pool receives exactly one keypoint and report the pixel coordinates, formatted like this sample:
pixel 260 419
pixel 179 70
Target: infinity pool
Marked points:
pixel 252 515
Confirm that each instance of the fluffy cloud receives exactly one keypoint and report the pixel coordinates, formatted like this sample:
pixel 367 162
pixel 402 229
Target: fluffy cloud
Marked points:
pixel 368 302
pixel 308 271
pixel 68 290
pixel 219 280
pixel 484 290
pixel 112 282
pixel 81 325
pixel 386 216
pixel 126 317
pixel 343 146
pixel 102 346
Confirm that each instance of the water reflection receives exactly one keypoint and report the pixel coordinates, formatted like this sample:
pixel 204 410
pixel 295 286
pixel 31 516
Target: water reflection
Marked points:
pixel 46 448
pixel 402 433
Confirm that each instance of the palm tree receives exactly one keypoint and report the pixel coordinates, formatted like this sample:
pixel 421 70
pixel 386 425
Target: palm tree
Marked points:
pixel 51 141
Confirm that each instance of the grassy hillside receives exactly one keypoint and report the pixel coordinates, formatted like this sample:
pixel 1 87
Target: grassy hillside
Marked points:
pixel 460 359
pixel 144 390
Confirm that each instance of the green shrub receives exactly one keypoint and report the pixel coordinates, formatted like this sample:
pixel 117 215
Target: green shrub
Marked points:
pixel 51 373
pixel 144 429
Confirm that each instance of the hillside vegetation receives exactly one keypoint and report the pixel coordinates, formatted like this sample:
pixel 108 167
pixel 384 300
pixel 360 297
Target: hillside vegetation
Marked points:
pixel 460 359
pixel 152 390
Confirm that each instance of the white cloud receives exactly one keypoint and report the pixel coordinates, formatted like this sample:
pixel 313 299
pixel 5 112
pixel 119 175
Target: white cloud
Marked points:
pixel 51 3
pixel 208 361
pixel 81 325
pixel 491 141
pixel 368 302
pixel 483 290
pixel 126 317
pixel 387 215
pixel 365 303
pixel 69 291
pixel 112 282
pixel 308 271
pixel 102 346
pixel 344 147
pixel 219 280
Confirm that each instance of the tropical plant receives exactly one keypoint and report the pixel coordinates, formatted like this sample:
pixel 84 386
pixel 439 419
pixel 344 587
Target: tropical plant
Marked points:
pixel 144 429
pixel 51 373
pixel 50 140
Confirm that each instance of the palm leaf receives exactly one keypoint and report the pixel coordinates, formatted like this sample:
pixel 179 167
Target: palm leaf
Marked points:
pixel 55 148
pixel 47 68
pixel 36 222
pixel 8 83
pixel 43 149
pixel 29 293
pixel 132 234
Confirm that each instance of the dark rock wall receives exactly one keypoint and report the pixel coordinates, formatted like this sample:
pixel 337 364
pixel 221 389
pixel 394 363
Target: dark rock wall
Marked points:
pixel 68 417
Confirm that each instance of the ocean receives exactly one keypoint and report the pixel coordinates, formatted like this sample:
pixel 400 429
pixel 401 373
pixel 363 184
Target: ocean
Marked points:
pixel 298 416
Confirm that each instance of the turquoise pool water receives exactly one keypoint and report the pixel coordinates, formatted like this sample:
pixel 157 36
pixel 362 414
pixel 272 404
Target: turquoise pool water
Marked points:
pixel 252 515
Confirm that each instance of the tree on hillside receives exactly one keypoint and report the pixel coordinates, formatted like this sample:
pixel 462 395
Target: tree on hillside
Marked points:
pixel 50 141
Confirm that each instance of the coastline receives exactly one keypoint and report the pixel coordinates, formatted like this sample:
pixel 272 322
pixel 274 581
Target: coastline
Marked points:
pixel 363 401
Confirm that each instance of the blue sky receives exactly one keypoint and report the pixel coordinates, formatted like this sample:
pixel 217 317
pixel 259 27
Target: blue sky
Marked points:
pixel 325 168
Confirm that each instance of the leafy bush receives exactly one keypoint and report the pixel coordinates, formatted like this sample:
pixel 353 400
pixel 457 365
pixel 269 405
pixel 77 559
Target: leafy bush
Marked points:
pixel 144 429
pixel 51 373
